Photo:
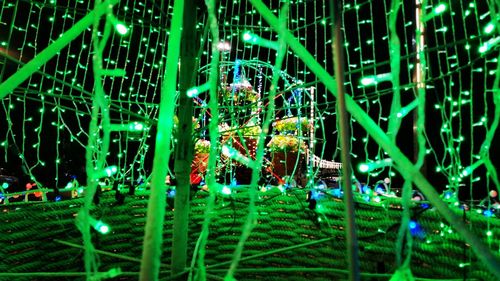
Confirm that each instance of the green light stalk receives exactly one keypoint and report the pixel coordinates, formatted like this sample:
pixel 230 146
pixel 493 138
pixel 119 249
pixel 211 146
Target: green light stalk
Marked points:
pixel 492 130
pixel 150 265
pixel 404 165
pixel 259 157
pixel 97 148
pixel 395 61
pixel 214 137
pixel 184 145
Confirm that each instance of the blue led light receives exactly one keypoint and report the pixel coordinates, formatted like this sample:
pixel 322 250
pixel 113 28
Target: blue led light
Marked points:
pixel 412 225
pixel 447 195
pixel 488 213
pixel 314 195
pixel 226 190
pixel 337 192
pixel 171 193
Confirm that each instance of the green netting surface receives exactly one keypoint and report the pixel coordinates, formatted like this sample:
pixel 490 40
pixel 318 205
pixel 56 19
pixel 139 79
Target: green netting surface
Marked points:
pixel 30 230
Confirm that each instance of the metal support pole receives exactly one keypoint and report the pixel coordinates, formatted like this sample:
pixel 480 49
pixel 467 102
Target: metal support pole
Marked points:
pixel 338 59
pixel 44 56
pixel 419 114
pixel 312 135
pixel 153 237
pixel 184 148
pixel 419 71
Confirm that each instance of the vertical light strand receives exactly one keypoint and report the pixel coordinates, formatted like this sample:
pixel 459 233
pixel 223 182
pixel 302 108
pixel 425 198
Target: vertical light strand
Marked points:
pixel 395 56
pixel 404 239
pixel 269 116
pixel 214 136
pixel 97 148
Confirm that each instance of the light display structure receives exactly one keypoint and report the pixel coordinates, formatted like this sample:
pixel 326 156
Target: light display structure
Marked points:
pixel 459 79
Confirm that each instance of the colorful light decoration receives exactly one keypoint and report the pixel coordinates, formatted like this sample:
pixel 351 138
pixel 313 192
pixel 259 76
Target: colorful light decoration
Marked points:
pixel 407 109
pixel 100 226
pixel 375 79
pixel 468 171
pixel 462 265
pixel 171 192
pixel 438 10
pixel 225 190
pixel 224 46
pixel 254 39
pixel 112 273
pixel 234 154
pixel 195 91
pixel 251 36
pixel 121 29
pixel 119 26
pixel 488 213
pixel 136 127
pixel 488 45
pixel 130 127
pixel 489 28
pixel 106 172
pixel 441 8
pixel 368 167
